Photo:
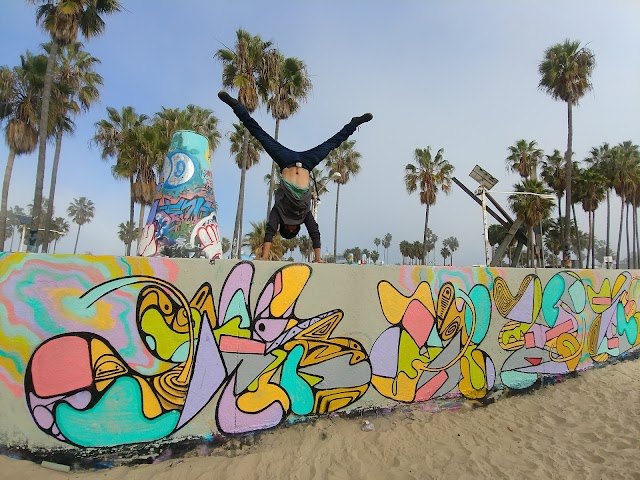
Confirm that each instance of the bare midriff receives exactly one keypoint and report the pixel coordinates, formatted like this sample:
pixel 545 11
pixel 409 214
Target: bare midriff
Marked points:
pixel 296 175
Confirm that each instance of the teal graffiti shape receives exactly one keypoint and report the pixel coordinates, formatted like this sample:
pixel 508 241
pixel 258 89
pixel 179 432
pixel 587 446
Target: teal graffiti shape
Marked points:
pixel 481 301
pixel 628 327
pixel 518 380
pixel 298 390
pixel 237 308
pixel 550 297
pixel 116 419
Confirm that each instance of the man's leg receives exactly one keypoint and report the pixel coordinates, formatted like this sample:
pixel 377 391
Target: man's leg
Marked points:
pixel 313 157
pixel 279 153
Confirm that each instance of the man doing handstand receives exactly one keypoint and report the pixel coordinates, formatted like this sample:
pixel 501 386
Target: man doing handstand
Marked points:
pixel 292 205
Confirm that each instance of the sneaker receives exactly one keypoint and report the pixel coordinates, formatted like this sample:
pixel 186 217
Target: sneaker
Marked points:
pixel 228 99
pixel 367 117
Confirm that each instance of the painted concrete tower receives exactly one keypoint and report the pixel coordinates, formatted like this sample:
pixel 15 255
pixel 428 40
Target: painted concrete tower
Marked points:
pixel 182 221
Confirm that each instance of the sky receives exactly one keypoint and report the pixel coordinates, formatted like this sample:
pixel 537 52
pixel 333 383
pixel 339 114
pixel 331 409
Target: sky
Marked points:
pixel 461 75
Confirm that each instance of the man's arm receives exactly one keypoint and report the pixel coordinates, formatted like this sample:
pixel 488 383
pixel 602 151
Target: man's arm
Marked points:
pixel 269 232
pixel 314 233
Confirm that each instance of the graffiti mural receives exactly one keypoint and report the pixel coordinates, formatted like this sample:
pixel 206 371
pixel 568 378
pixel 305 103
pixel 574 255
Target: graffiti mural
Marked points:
pixel 267 365
pixel 182 221
pixel 112 351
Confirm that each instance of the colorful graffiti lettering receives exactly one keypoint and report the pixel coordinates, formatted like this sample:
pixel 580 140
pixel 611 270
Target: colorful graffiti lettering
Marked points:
pixel 109 351
pixel 268 365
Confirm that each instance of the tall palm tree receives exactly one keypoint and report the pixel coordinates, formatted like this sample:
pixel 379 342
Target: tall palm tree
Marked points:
pixel 386 243
pixel 553 239
pixel 64 21
pixel 565 74
pixel 553 172
pixel 288 85
pixel 524 158
pixel 306 247
pixel 601 158
pixel 111 135
pixel 343 163
pixel 198 119
pixel 81 210
pixel 428 175
pixel 531 209
pixel 75 69
pixel 376 242
pixel 404 249
pixel 123 233
pixel 452 244
pixel 13 221
pixel 20 94
pixel 245 68
pixel 590 188
pixel 444 251
pixel 626 160
pixel 253 151
pixel 226 245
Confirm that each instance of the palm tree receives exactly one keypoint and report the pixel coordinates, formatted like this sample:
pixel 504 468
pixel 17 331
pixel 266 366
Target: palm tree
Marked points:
pixel 288 85
pixel 306 247
pixel 565 73
pixel 444 251
pixel 81 210
pixel 428 175
pixel 626 160
pixel 198 119
pixel 452 244
pixel 226 245
pixel 20 89
pixel 342 163
pixel 244 68
pixel 255 238
pixel 404 249
pixel 13 220
pixel 376 242
pixel 63 20
pixel 553 239
pixel 590 188
pixel 531 209
pixel 254 148
pixel 386 243
pixel 601 158
pixel 75 70
pixel 524 158
pixel 553 171
pixel 60 227
pixel 111 136
pixel 123 233
pixel 432 238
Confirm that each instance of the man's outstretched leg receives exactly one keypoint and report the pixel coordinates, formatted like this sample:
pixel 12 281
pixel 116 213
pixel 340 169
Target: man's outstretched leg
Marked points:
pixel 279 153
pixel 311 158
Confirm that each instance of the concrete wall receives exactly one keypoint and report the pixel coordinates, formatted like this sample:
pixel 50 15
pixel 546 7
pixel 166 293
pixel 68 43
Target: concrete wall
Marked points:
pixel 113 351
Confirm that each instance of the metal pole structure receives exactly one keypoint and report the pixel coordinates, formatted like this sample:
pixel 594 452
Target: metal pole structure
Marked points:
pixel 486 227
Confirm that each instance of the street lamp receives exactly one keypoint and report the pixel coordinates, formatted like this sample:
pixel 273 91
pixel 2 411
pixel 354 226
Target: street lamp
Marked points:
pixel 315 197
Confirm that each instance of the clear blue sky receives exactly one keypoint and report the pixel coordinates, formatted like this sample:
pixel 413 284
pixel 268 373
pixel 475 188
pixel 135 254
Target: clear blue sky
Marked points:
pixel 458 75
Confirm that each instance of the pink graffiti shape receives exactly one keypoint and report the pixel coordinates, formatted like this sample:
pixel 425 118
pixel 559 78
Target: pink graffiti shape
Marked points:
pixel 60 366
pixel 418 321
pixel 558 329
pixel 426 391
pixel 240 345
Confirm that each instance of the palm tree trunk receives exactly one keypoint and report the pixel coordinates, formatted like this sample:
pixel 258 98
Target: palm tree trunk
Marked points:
pixel 52 193
pixel 140 223
pixel 620 232
pixel 633 236
pixel 637 241
pixel 5 196
pixel 589 240
pixel 608 223
pixel 237 231
pixel 335 227
pixel 579 247
pixel 42 144
pixel 424 241
pixel 131 209
pixel 560 223
pixel 626 224
pixel 75 247
pixel 530 246
pixel 593 240
pixel 272 182
pixel 568 171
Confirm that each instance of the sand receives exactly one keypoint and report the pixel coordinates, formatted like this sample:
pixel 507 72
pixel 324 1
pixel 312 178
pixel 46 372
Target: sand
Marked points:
pixel 585 427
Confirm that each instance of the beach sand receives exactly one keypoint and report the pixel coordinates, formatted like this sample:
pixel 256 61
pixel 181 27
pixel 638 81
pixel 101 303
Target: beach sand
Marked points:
pixel 585 427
